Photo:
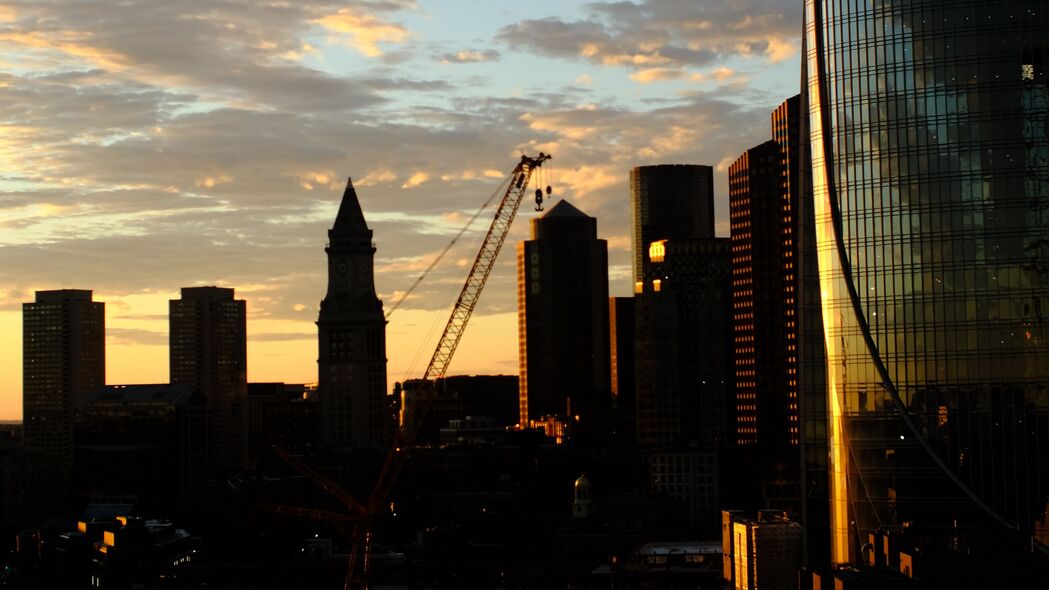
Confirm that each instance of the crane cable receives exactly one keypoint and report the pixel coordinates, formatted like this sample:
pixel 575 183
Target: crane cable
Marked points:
pixel 448 247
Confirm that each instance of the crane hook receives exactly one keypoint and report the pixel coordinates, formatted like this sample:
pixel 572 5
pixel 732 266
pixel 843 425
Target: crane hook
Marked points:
pixel 538 199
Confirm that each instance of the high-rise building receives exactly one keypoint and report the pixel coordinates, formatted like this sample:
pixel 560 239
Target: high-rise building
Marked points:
pixel 683 352
pixel 762 300
pixel 670 201
pixel 63 360
pixel 208 350
pixel 683 364
pixel 930 160
pixel 562 317
pixel 352 339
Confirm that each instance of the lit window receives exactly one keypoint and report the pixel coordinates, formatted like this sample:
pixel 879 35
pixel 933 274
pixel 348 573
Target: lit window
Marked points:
pixel 657 285
pixel 639 287
pixel 656 251
pixel 1028 71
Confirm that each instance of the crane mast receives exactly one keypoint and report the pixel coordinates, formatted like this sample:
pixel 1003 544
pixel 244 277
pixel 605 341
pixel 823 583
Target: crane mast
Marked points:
pixel 482 266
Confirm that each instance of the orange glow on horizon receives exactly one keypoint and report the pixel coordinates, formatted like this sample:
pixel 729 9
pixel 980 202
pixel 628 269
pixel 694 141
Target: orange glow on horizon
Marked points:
pixel 489 346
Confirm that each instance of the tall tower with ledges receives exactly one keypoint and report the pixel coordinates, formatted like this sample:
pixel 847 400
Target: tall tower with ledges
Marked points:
pixel 352 338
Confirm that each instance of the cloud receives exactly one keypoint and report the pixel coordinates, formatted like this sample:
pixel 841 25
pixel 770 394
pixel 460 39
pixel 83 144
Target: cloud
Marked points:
pixel 647 76
pixel 115 336
pixel 364 32
pixel 468 56
pixel 658 39
pixel 376 177
pixel 779 50
pixel 416 179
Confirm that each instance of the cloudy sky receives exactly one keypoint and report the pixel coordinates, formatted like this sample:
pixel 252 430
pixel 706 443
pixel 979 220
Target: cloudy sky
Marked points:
pixel 147 145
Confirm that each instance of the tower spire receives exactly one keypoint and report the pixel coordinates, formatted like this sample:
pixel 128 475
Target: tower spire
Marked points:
pixel 350 218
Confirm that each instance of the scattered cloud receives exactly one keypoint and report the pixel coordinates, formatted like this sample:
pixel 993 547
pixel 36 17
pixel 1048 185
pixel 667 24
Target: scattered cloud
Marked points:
pixel 415 179
pixel 659 39
pixel 468 56
pixel 362 31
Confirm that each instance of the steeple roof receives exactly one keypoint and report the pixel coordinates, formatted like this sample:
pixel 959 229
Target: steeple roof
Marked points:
pixel 564 209
pixel 350 218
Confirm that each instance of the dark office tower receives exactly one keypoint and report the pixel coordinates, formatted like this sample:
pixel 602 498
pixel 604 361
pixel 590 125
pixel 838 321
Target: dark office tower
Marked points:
pixel 762 301
pixel 208 350
pixel 352 339
pixel 621 352
pixel 562 311
pixel 683 360
pixel 930 157
pixel 683 352
pixel 670 201
pixel 63 360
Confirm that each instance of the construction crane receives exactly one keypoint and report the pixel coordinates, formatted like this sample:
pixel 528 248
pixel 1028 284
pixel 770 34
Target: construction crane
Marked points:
pixel 363 516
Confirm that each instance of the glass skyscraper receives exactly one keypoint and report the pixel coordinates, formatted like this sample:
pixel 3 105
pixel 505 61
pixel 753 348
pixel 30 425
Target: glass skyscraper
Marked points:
pixel 930 160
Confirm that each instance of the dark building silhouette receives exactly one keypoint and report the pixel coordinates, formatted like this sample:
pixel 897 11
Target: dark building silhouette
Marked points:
pixel 682 334
pixel 930 156
pixel 763 300
pixel 683 362
pixel 63 360
pixel 683 352
pixel 144 445
pixel 670 201
pixel 491 397
pixel 352 338
pixel 764 310
pixel 208 350
pixel 621 352
pixel 286 415
pixel 562 296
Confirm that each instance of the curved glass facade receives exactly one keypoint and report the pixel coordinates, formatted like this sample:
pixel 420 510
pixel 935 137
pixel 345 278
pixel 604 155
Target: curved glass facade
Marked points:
pixel 930 154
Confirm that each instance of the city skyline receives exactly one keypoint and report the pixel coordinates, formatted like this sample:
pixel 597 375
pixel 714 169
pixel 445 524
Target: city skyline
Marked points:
pixel 425 118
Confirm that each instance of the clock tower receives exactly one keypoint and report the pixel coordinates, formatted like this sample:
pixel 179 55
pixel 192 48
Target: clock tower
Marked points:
pixel 352 338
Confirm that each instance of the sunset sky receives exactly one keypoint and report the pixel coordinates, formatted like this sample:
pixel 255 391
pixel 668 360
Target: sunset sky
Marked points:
pixel 150 145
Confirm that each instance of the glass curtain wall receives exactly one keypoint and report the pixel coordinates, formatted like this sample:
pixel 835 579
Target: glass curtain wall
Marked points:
pixel 930 158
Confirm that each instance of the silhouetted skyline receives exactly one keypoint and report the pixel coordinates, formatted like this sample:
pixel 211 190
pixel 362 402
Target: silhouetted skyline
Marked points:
pixel 134 164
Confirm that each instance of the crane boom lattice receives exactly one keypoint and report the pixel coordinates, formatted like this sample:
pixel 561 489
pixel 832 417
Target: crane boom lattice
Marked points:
pixel 482 266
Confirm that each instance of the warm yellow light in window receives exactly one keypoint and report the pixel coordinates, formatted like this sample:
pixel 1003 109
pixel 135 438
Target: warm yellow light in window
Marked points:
pixel 639 287
pixel 656 251
pixel 656 285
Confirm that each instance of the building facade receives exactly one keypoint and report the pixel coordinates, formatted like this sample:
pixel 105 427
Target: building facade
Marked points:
pixel 683 358
pixel 621 352
pixel 930 161
pixel 63 360
pixel 352 339
pixel 669 201
pixel 144 445
pixel 208 350
pixel 562 297
pixel 764 335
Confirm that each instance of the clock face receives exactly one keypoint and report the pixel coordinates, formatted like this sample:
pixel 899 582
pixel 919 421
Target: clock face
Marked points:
pixel 341 268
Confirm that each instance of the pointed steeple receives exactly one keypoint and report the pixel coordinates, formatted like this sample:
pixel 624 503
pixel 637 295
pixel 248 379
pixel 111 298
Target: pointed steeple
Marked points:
pixel 350 218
